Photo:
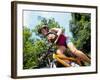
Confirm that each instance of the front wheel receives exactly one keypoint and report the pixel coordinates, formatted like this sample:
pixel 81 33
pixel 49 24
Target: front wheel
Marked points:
pixel 53 64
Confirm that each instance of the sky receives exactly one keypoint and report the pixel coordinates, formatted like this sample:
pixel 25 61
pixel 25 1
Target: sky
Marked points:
pixel 31 19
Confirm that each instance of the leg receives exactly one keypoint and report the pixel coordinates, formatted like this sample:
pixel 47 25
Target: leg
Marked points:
pixel 62 58
pixel 78 53
pixel 64 63
pixel 60 54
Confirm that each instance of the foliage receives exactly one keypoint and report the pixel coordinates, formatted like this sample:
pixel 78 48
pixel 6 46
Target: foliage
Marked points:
pixel 33 47
pixel 50 22
pixel 80 28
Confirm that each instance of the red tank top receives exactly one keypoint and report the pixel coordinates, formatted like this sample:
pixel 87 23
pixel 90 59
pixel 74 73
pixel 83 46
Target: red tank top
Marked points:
pixel 62 40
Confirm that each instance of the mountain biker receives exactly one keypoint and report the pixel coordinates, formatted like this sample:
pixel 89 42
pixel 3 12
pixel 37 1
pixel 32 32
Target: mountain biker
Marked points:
pixel 62 42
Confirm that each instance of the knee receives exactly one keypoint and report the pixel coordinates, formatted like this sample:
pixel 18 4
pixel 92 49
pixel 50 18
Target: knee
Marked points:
pixel 59 51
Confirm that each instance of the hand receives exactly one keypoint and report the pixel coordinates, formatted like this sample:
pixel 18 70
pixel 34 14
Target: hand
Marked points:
pixel 51 37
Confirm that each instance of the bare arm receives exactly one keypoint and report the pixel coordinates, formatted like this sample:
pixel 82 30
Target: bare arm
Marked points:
pixel 59 31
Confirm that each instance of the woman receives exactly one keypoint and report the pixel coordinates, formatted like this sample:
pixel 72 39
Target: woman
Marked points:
pixel 62 42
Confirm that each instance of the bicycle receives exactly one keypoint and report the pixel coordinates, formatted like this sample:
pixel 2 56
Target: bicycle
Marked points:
pixel 49 59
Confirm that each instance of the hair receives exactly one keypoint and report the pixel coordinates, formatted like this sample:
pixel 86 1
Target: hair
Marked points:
pixel 43 27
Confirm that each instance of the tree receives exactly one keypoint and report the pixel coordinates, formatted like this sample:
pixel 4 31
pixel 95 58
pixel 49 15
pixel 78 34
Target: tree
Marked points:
pixel 50 22
pixel 33 47
pixel 81 30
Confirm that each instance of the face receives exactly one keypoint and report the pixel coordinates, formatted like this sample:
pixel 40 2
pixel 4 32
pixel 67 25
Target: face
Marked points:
pixel 50 36
pixel 44 31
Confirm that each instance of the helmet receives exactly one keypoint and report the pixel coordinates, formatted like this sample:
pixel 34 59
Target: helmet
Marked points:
pixel 43 27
